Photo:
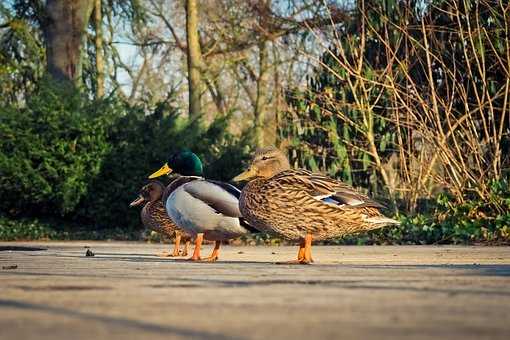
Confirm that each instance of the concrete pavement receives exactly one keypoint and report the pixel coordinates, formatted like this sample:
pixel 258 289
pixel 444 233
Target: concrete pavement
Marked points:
pixel 50 290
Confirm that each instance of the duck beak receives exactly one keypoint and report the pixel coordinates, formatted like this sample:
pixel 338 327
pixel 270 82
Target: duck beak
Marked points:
pixel 248 174
pixel 165 170
pixel 139 200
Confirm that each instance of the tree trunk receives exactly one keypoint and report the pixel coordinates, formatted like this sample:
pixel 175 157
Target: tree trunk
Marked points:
pixel 194 59
pixel 261 99
pixel 64 32
pixel 98 24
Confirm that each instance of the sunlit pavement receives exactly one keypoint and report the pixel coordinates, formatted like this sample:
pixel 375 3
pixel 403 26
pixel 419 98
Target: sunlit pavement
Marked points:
pixel 53 291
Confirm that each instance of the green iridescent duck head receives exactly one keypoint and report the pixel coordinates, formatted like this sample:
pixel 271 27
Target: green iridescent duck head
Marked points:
pixel 184 163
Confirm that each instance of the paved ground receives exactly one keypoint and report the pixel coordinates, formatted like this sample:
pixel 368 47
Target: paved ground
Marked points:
pixel 350 292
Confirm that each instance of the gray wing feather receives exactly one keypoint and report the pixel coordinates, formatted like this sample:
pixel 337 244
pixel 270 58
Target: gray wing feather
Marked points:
pixel 215 196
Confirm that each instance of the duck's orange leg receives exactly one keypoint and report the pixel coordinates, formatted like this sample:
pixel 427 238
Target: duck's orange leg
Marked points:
pixel 198 244
pixel 304 254
pixel 216 251
pixel 176 248
pixel 177 244
pixel 308 250
pixel 186 246
pixel 301 251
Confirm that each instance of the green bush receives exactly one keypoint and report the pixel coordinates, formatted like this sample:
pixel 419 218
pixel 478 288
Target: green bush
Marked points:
pixel 70 166
pixel 140 144
pixel 25 229
pixel 449 222
pixel 50 151
pixel 28 229
pixel 80 162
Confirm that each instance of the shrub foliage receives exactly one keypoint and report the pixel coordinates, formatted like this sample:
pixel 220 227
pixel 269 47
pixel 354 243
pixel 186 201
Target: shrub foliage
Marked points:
pixel 64 156
pixel 50 151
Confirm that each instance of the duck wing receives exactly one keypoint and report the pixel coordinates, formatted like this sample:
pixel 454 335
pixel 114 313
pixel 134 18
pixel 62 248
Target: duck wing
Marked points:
pixel 180 180
pixel 227 187
pixel 325 189
pixel 216 199
pixel 217 195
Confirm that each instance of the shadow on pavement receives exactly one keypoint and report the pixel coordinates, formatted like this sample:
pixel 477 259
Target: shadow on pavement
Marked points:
pixel 114 321
pixel 467 269
pixel 20 248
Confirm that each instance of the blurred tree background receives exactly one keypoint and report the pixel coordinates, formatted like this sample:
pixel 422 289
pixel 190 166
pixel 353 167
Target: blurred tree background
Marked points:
pixel 406 100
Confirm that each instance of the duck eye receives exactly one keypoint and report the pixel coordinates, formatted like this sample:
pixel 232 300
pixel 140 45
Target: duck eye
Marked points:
pixel 265 158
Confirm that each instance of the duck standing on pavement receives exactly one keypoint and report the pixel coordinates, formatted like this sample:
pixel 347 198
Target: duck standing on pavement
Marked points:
pixel 300 205
pixel 154 217
pixel 206 209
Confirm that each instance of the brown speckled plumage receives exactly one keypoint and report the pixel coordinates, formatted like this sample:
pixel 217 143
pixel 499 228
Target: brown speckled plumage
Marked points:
pixel 154 215
pixel 292 203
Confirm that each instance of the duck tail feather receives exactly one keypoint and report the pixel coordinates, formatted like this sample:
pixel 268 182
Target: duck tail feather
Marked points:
pixel 381 221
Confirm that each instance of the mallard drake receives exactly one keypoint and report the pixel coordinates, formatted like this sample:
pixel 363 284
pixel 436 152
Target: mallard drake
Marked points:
pixel 300 205
pixel 154 216
pixel 206 209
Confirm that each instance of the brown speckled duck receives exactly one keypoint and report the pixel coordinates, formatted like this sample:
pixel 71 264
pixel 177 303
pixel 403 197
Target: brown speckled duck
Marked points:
pixel 300 205
pixel 155 218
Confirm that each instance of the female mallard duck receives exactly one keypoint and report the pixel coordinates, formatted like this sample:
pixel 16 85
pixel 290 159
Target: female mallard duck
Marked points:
pixel 155 218
pixel 300 205
pixel 203 208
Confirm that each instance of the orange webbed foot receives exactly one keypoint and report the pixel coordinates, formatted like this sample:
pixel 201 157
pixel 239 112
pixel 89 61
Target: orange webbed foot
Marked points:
pixel 196 251
pixel 167 254
pixel 215 253
pixel 210 259
pixel 194 259
pixel 304 253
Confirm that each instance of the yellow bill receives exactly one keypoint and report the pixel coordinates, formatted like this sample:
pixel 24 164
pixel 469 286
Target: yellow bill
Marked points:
pixel 248 174
pixel 165 170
